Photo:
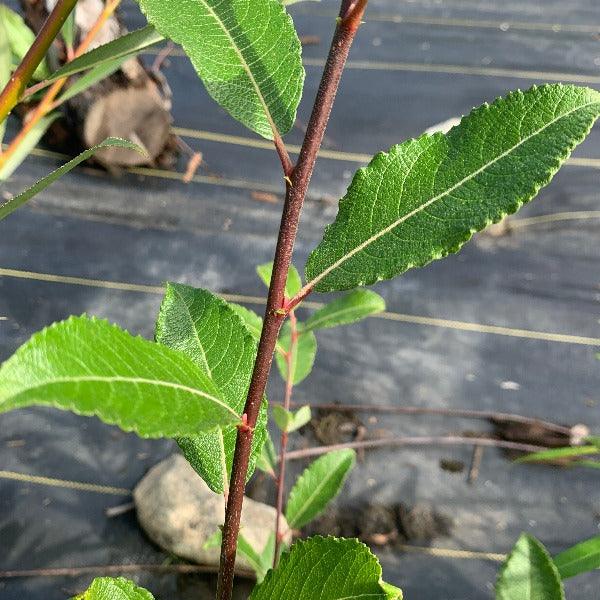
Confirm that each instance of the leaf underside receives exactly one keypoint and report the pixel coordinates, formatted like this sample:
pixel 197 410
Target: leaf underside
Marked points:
pixel 320 483
pixel 426 197
pixel 90 367
pixel 325 568
pixel 246 52
pixel 529 574
pixel 210 332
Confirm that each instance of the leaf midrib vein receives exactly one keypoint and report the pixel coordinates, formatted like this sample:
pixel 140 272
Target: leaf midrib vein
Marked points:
pixel 245 66
pixel 188 313
pixel 134 380
pixel 315 492
pixel 391 227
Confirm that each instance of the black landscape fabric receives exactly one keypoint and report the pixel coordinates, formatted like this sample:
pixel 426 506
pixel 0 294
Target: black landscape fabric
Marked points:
pixel 414 64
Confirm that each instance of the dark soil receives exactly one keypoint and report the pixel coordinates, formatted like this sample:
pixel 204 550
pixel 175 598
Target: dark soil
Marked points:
pixel 382 525
pixel 337 426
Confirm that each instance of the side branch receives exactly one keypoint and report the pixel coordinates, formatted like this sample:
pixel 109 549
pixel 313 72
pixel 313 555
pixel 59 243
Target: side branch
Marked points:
pixel 18 82
pixel 297 185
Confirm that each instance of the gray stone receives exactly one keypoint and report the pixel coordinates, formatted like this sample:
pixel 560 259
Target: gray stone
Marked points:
pixel 179 512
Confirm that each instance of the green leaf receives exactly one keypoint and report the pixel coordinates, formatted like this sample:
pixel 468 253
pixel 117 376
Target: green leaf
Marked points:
pixel 327 569
pixel 578 559
pixel 68 30
pixel 283 418
pixel 267 461
pixel 252 556
pixel 289 421
pixel 253 323
pixel 13 203
pixel 392 592
pixel 125 46
pixel 529 574
pixel 352 307
pixel 426 197
pixel 246 52
pixel 591 464
pixel 293 283
pixel 267 556
pixel 251 320
pixel 90 367
pixel 300 418
pixel 93 76
pixel 28 143
pixel 119 588
pixel 318 485
pixel 20 38
pixel 206 329
pixel 558 453
pixel 593 439
pixel 303 354
pixel 214 541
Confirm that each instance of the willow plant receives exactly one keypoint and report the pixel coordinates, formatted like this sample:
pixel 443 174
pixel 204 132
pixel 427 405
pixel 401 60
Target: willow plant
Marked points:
pixel 203 380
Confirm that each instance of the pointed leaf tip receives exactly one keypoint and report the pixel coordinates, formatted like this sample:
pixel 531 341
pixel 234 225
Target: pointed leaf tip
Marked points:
pixel 529 573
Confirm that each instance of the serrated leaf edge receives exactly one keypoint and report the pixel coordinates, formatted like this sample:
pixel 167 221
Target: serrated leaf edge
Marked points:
pixel 443 252
pixel 286 555
pixel 245 66
pixel 43 333
pixel 545 552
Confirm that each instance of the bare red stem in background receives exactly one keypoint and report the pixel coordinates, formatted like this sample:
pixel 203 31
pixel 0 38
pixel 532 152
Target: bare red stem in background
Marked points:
pixel 449 440
pixel 289 387
pixel 297 185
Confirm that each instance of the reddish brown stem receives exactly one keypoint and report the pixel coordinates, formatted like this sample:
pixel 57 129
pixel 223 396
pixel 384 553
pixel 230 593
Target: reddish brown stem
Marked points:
pixel 284 157
pixel 297 186
pixel 289 387
pixel 14 89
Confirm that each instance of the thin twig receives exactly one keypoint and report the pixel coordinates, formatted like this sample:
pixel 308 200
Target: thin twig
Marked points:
pixel 450 440
pixel 476 458
pixel 444 412
pixel 289 387
pixel 16 85
pixel 296 189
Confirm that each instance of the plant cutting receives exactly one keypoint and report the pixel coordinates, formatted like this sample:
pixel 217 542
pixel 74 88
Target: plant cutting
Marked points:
pixel 203 380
